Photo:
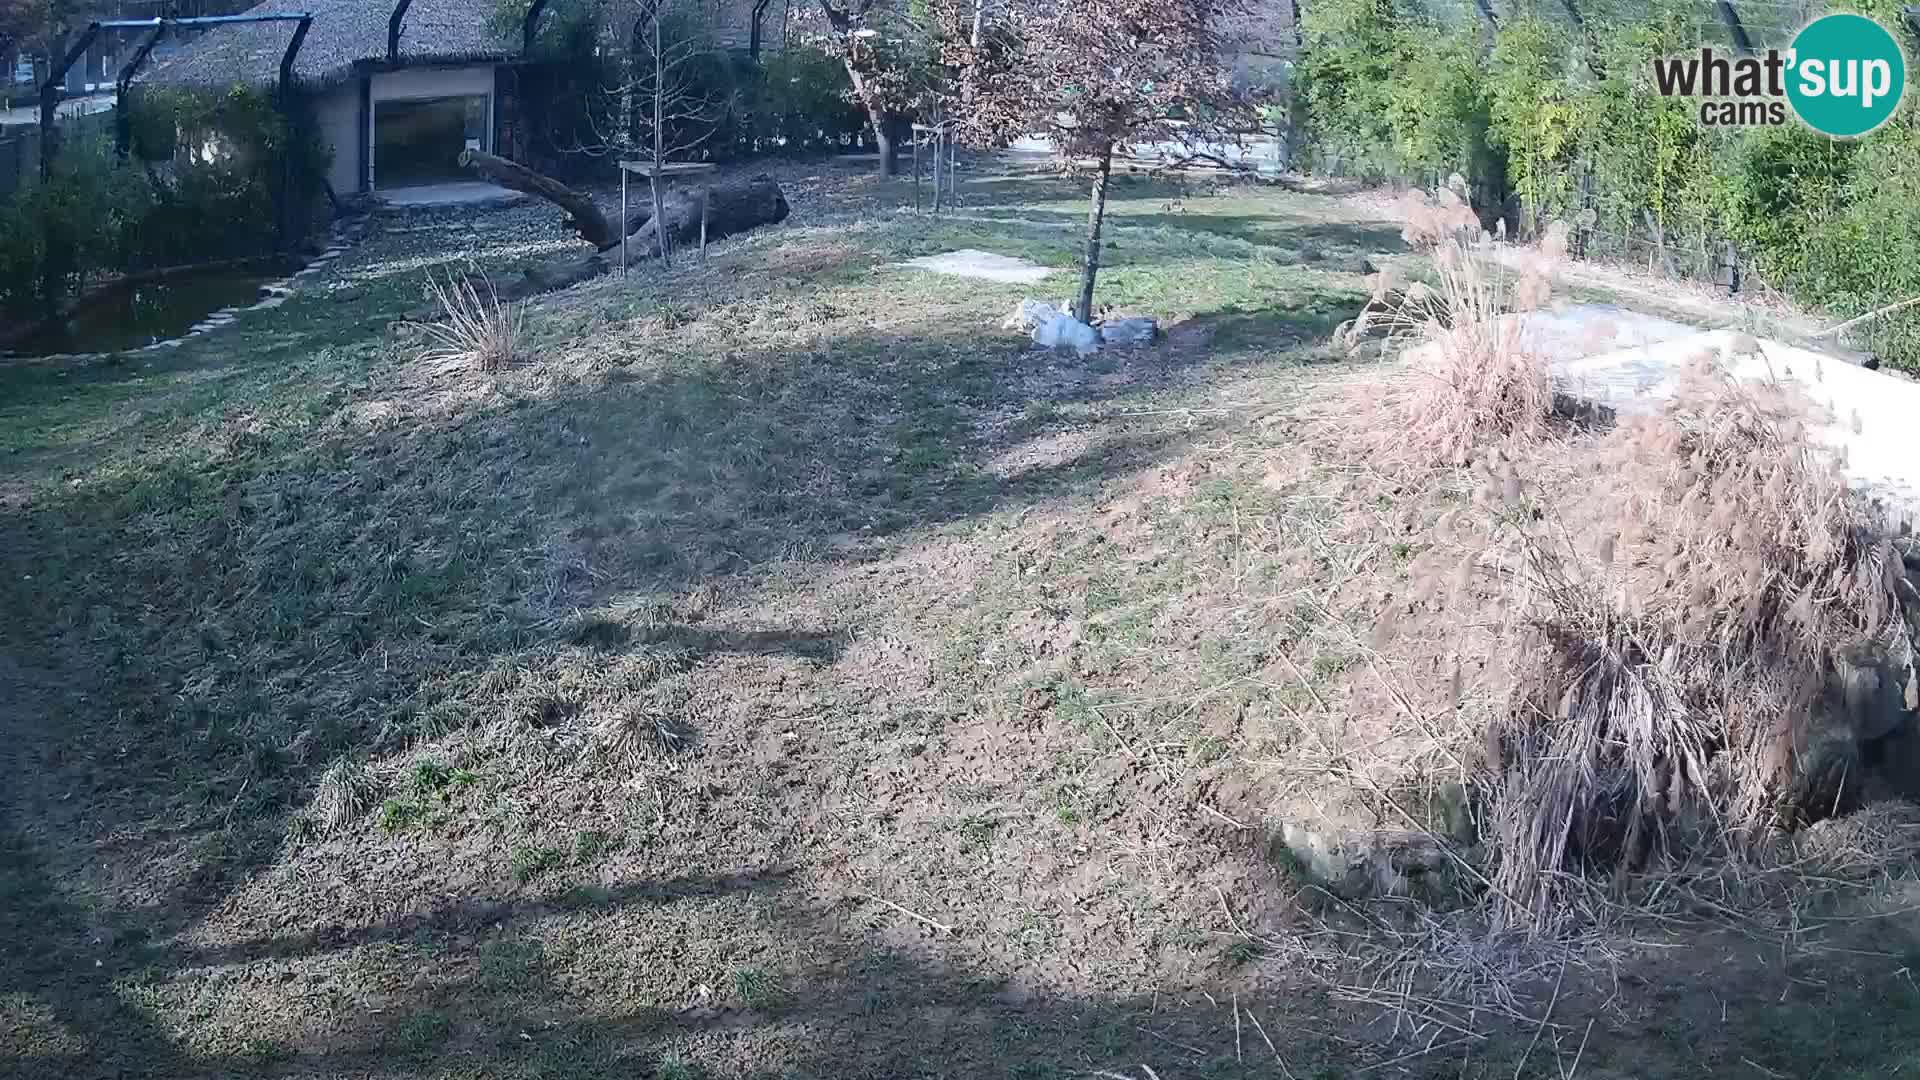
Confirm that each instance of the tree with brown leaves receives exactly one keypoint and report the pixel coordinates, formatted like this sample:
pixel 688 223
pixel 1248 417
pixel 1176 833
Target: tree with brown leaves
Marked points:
pixel 1101 77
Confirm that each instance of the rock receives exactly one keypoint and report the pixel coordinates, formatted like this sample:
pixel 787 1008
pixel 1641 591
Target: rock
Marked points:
pixel 1909 549
pixel 1375 862
pixel 1053 327
pixel 1870 688
pixel 1029 314
pixel 1131 331
pixel 1065 331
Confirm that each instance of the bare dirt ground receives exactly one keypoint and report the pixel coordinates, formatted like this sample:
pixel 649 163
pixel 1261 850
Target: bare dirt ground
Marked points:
pixel 781 673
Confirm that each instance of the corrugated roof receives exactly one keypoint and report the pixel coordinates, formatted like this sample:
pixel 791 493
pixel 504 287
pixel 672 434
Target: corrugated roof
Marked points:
pixel 344 32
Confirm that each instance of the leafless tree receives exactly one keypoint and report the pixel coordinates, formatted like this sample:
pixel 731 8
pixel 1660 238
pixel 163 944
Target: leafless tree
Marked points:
pixel 667 113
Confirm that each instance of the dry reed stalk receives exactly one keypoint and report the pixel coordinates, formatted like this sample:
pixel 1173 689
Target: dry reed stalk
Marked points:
pixel 1684 671
pixel 1682 662
pixel 1477 380
pixel 481 332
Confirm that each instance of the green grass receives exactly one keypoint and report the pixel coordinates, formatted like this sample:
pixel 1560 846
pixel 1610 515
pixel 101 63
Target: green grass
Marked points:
pixel 529 862
pixel 976 831
pixel 591 844
pixel 763 592
pixel 421 1034
pixel 757 989
pixel 398 814
pixel 674 1067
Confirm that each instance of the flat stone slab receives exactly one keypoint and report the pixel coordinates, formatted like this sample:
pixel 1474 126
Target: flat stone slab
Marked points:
pixel 982 265
pixel 455 193
pixel 1871 422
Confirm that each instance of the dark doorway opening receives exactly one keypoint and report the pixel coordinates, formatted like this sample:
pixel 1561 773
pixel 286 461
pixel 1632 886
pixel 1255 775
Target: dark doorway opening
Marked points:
pixel 419 141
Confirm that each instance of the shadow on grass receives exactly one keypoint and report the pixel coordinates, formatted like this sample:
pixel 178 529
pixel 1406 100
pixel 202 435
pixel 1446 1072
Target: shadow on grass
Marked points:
pixel 1333 244
pixel 435 571
pixel 223 621
pixel 872 1006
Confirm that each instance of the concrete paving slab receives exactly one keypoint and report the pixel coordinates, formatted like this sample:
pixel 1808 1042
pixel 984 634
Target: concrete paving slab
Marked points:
pixel 458 193
pixel 1630 363
pixel 1871 421
pixel 982 265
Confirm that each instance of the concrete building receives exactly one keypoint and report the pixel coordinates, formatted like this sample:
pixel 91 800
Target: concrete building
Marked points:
pixel 393 117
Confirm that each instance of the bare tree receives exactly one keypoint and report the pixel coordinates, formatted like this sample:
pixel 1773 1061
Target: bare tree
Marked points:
pixel 667 111
pixel 1100 77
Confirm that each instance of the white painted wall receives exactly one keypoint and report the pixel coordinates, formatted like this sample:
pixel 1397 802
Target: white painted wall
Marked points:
pixel 433 82
pixel 337 112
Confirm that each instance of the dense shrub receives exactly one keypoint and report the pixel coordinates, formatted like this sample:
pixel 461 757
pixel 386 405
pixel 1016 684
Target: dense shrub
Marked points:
pixel 205 181
pixel 1356 51
pixel 793 102
pixel 1549 122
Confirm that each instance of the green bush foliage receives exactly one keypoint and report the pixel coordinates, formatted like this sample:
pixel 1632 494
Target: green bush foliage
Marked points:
pixel 795 101
pixel 1550 121
pixel 202 183
pixel 792 100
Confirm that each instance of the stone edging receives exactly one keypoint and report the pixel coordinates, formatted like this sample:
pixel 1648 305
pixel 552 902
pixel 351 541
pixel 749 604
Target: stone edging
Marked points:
pixel 272 294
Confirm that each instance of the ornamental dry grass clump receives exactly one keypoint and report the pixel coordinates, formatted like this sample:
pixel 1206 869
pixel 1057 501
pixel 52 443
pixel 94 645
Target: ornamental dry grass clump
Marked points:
pixel 1476 381
pixel 1695 666
pixel 476 330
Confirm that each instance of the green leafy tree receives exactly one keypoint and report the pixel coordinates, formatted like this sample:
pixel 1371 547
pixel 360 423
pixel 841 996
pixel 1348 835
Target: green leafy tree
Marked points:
pixel 1532 117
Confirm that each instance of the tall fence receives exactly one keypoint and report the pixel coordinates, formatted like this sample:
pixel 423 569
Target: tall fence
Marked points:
pixel 19 159
pixel 1603 228
pixel 20 147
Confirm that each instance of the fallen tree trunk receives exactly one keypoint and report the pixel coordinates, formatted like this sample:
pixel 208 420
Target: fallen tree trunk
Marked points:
pixel 731 207
pixel 584 217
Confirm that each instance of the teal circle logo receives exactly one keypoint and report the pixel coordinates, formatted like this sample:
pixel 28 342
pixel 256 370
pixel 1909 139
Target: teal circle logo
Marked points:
pixel 1845 75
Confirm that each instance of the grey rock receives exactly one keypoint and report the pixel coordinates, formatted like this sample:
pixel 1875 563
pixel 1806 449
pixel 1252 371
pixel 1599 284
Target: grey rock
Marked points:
pixel 1131 331
pixel 1376 862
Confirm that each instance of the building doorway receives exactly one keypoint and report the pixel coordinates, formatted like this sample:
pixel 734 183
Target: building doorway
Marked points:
pixel 419 140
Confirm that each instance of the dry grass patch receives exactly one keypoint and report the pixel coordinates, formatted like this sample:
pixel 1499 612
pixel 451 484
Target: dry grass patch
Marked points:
pixel 346 791
pixel 479 330
pixel 1701 628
